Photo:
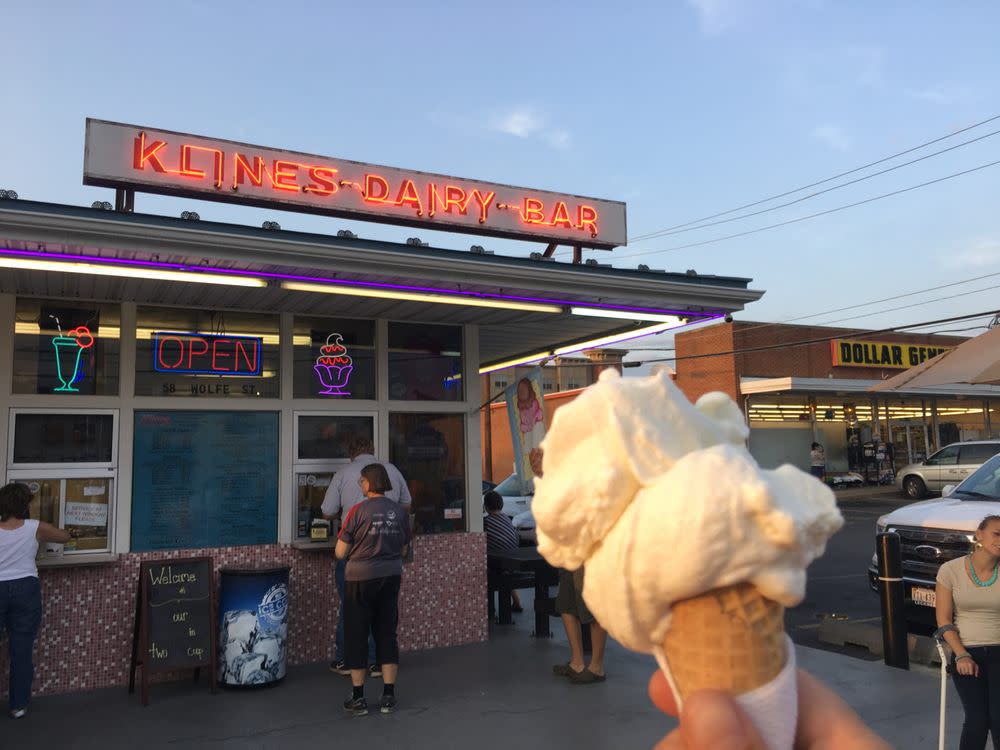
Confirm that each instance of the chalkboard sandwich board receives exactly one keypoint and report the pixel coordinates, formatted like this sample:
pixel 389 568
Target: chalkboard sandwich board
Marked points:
pixel 174 619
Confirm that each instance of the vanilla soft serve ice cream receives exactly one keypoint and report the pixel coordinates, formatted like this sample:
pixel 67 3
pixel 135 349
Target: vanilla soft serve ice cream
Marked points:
pixel 713 520
pixel 662 503
pixel 616 437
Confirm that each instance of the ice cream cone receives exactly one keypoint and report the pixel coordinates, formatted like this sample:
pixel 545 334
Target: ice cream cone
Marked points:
pixel 729 638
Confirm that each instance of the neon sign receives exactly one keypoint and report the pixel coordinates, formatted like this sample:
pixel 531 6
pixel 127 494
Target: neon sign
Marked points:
pixel 333 367
pixel 69 349
pixel 161 161
pixel 206 354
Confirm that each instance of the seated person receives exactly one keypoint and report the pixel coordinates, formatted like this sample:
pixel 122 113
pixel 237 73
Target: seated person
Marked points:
pixel 500 534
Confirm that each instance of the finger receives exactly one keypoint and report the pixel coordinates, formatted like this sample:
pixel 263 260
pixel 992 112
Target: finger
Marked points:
pixel 712 719
pixel 661 694
pixel 825 721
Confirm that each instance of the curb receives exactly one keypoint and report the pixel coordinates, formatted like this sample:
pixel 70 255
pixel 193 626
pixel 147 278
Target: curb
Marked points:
pixel 922 648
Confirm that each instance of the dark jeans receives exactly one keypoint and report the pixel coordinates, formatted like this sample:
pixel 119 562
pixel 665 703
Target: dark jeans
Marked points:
pixel 818 471
pixel 372 606
pixel 341 651
pixel 20 616
pixel 980 698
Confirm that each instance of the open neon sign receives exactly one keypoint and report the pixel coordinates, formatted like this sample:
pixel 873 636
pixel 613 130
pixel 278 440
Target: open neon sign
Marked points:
pixel 181 164
pixel 69 349
pixel 206 354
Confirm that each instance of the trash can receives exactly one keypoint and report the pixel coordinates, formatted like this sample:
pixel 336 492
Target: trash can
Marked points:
pixel 253 625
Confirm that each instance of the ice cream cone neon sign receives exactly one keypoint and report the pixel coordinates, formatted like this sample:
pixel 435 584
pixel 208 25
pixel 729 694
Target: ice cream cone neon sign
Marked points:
pixel 69 349
pixel 334 367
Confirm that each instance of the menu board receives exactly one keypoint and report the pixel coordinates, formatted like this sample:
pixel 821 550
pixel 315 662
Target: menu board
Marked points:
pixel 204 479
pixel 174 614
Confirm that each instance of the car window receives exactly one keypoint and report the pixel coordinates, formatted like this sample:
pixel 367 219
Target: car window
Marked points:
pixel 984 481
pixel 947 455
pixel 978 453
pixel 512 486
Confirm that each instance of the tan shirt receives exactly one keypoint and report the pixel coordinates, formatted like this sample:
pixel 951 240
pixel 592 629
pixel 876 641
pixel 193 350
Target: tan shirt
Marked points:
pixel 977 608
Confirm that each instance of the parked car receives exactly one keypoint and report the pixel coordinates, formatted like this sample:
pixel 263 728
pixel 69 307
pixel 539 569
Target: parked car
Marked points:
pixel 932 532
pixel 525 525
pixel 950 465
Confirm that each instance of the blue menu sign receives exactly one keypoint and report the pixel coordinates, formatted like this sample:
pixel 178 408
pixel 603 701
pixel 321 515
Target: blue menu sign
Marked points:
pixel 204 479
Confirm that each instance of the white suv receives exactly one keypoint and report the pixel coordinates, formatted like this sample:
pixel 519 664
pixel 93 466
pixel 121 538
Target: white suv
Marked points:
pixel 933 532
pixel 950 465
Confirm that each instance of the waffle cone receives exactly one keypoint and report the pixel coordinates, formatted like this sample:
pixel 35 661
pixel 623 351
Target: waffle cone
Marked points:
pixel 730 639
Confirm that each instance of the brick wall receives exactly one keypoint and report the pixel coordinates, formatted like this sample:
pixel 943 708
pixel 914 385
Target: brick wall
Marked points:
pixel 86 636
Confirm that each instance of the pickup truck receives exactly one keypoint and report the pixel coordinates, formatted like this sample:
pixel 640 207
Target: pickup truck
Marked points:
pixel 935 531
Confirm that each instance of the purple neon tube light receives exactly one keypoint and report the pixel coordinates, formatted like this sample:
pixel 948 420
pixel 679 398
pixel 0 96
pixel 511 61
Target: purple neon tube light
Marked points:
pixel 97 259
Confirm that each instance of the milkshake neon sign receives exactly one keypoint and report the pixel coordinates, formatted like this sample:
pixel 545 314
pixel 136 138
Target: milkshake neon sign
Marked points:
pixel 206 354
pixel 180 164
pixel 69 349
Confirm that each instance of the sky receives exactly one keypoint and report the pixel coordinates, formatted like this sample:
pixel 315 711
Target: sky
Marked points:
pixel 680 108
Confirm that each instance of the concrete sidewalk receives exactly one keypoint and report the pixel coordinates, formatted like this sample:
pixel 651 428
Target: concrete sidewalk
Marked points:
pixel 880 493
pixel 498 695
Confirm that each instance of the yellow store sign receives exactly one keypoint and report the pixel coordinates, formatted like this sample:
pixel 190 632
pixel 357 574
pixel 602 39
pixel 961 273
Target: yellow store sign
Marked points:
pixel 882 354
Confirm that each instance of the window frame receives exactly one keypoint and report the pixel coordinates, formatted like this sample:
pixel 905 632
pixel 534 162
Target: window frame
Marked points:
pixel 111 465
pixel 72 471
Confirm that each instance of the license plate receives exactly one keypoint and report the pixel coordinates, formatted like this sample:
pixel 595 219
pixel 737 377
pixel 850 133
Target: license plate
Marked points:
pixel 923 596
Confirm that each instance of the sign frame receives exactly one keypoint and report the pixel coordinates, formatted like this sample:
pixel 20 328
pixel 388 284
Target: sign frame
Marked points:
pixel 194 166
pixel 143 617
pixel 892 355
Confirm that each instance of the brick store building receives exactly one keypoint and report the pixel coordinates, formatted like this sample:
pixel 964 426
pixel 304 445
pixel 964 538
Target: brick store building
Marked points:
pixel 176 387
pixel 794 393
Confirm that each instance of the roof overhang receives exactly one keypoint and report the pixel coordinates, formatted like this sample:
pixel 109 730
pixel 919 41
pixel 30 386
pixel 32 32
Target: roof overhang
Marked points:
pixel 751 386
pixel 67 231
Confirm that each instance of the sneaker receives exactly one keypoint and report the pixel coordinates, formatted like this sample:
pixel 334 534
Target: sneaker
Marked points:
pixel 20 713
pixel 375 670
pixel 388 704
pixel 339 667
pixel 357 706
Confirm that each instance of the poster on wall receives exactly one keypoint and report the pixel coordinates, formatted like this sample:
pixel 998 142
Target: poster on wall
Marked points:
pixel 204 479
pixel 526 411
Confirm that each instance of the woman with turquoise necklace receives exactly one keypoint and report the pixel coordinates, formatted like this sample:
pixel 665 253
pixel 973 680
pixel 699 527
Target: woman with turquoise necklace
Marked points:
pixel 968 614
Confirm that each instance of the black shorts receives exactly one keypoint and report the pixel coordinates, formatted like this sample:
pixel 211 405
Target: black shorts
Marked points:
pixel 569 599
pixel 371 606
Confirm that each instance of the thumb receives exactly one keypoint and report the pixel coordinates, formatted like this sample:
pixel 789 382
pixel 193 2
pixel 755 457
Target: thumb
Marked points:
pixel 712 720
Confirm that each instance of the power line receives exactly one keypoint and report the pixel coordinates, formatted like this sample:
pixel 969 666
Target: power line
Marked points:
pixel 873 302
pixel 666 232
pixel 807 342
pixel 820 182
pixel 905 307
pixel 815 215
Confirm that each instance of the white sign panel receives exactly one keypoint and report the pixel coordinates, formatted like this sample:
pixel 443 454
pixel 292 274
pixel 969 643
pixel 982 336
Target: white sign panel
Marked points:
pixel 161 161
pixel 86 514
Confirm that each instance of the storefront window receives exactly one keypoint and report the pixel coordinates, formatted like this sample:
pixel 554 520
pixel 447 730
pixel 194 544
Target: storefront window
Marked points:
pixel 66 349
pixel 310 489
pixel 198 353
pixel 429 449
pixel 81 505
pixel 44 437
pixel 334 358
pixel 327 437
pixel 425 362
pixel 204 479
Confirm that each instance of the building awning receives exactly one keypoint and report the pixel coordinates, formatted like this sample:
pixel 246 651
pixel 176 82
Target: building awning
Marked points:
pixel 410 282
pixel 751 386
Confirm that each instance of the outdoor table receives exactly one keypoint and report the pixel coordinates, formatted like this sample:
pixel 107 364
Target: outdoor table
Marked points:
pixel 527 559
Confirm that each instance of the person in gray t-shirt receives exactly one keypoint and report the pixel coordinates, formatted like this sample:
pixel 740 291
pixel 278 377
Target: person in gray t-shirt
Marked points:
pixel 373 541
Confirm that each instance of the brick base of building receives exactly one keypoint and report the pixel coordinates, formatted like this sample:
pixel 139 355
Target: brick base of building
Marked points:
pixel 86 637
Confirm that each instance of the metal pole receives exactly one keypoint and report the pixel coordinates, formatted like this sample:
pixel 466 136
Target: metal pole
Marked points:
pixel 890 579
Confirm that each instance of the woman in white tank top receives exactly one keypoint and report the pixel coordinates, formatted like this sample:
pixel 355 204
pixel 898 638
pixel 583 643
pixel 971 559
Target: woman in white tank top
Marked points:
pixel 20 593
